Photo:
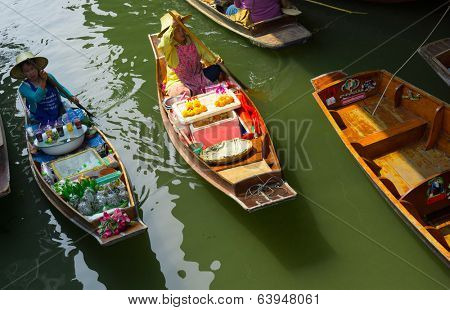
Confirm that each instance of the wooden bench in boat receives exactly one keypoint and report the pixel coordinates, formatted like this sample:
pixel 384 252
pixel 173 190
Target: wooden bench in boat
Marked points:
pixel 390 139
pixel 429 206
pixel 237 174
pixel 432 210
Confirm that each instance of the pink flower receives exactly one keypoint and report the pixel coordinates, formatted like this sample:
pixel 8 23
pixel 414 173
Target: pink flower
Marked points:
pixel 107 233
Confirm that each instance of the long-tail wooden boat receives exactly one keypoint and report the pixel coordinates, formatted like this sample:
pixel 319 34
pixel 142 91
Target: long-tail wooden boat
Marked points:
pixel 4 163
pixel 89 226
pixel 437 54
pixel 275 33
pixel 404 147
pixel 254 182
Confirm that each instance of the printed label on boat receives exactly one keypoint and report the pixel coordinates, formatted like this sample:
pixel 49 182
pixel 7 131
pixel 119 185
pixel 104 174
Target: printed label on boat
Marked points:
pixel 369 85
pixel 436 190
pixel 330 101
pixel 350 85
pixel 353 98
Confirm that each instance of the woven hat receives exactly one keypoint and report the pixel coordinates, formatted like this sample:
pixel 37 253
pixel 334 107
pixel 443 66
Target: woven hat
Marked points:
pixel 167 21
pixel 16 71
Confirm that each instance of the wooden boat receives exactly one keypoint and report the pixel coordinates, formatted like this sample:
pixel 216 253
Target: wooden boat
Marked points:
pixel 254 182
pixel 90 227
pixel 437 54
pixel 4 163
pixel 404 148
pixel 274 33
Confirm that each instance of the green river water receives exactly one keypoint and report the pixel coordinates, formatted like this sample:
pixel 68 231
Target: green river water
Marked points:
pixel 339 233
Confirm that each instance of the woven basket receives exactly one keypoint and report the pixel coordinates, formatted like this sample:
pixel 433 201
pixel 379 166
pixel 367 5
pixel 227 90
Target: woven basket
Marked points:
pixel 226 151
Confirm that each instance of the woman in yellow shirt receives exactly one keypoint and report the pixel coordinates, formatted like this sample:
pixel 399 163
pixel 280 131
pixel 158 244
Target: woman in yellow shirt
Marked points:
pixel 185 72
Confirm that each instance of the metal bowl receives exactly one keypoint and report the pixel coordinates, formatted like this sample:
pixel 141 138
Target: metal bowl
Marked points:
pixel 68 143
pixel 168 102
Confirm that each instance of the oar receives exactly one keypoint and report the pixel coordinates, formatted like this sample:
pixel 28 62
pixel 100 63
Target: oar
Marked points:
pixel 200 43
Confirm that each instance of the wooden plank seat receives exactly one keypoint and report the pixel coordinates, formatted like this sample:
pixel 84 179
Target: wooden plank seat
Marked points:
pixel 430 203
pixel 390 139
pixel 237 174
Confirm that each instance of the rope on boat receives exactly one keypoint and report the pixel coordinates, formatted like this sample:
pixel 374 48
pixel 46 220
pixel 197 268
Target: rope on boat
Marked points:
pixel 266 189
pixel 336 8
pixel 410 57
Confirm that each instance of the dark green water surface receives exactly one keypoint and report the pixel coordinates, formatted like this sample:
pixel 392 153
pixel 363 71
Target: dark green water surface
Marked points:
pixel 339 234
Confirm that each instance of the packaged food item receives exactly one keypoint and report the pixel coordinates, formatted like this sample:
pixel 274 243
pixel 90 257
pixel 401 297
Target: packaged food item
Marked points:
pixel 193 107
pixel 48 130
pixel 39 136
pixel 111 161
pixel 84 208
pixel 78 124
pixel 69 126
pixel 30 132
pixel 47 174
pixel 223 100
pixel 60 129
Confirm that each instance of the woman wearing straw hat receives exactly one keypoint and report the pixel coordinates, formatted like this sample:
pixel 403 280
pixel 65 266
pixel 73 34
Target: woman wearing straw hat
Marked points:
pixel 185 73
pixel 38 87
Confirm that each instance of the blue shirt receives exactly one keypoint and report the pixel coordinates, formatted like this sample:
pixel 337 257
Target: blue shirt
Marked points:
pixel 37 99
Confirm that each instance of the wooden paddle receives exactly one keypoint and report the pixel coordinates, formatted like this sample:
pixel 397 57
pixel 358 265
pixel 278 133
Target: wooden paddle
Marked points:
pixel 200 43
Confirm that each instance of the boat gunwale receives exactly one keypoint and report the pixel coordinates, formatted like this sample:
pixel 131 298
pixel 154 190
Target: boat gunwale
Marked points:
pixel 430 58
pixel 4 150
pixel 420 230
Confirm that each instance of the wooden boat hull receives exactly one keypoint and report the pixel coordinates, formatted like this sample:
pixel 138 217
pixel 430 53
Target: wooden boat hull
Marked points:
pixel 405 146
pixel 4 163
pixel 238 191
pixel 276 33
pixel 437 55
pixel 74 216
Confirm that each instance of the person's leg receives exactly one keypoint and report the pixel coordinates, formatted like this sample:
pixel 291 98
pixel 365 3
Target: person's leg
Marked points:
pixel 231 10
pixel 212 73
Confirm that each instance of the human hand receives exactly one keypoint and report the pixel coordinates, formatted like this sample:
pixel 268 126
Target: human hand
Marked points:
pixel 43 75
pixel 74 99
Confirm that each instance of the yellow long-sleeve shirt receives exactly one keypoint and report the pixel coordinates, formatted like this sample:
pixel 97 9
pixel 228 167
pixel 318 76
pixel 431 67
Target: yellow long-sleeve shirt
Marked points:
pixel 168 47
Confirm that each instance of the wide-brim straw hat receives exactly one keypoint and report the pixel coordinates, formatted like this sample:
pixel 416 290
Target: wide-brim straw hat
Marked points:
pixel 16 71
pixel 167 21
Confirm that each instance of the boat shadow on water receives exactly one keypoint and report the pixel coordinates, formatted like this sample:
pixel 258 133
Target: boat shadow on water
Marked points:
pixel 288 230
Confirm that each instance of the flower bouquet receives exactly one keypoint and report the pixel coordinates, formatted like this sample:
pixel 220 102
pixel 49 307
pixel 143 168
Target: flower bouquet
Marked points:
pixel 111 225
